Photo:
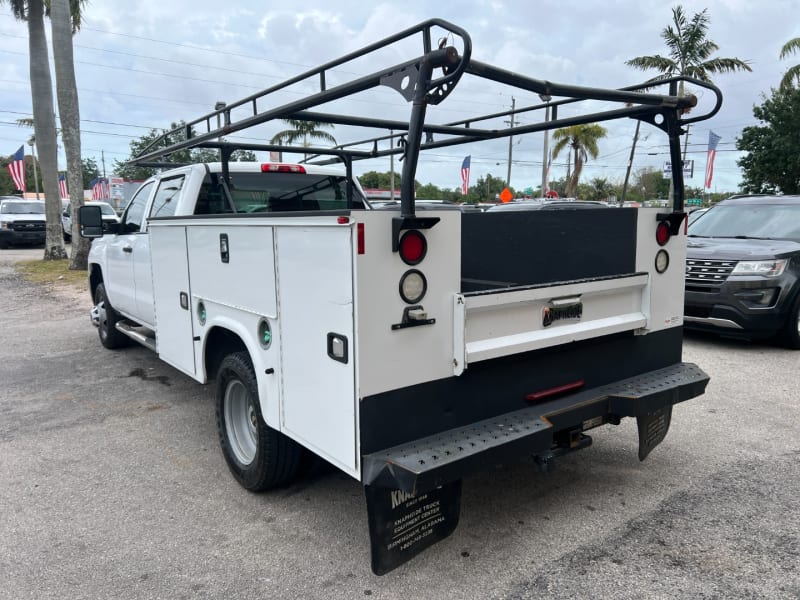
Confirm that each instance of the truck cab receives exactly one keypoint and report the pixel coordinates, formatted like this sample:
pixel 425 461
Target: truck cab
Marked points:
pixel 121 259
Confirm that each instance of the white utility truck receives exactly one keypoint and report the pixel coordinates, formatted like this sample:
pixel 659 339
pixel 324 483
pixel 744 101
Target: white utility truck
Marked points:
pixel 407 347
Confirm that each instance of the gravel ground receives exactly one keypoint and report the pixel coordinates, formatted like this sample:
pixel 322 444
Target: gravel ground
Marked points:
pixel 112 486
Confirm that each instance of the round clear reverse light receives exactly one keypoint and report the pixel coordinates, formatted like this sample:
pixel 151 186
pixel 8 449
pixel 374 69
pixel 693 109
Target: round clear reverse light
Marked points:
pixel 413 286
pixel 662 261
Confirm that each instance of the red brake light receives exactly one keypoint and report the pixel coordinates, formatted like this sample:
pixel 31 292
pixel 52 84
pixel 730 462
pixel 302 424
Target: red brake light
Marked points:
pixel 278 168
pixel 413 247
pixel 662 233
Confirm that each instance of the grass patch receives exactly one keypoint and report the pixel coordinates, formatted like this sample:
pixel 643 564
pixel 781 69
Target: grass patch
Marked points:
pixel 53 272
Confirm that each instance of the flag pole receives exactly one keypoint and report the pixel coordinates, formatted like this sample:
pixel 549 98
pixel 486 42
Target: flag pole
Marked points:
pixel 33 162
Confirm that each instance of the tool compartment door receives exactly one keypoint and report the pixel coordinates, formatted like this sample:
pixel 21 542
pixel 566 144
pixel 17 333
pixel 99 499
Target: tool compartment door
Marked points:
pixel 172 297
pixel 315 274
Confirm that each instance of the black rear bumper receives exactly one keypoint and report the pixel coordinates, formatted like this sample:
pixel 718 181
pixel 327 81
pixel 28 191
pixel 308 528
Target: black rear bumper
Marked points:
pixel 426 463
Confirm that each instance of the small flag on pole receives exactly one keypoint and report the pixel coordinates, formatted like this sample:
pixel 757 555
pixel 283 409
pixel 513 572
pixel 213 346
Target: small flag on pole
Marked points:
pixel 17 168
pixel 100 189
pixel 62 185
pixel 713 140
pixel 465 176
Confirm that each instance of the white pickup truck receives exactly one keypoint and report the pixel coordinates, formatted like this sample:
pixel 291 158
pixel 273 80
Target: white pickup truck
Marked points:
pixel 406 348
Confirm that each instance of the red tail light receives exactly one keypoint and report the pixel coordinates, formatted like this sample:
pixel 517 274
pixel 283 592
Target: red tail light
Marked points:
pixel 413 247
pixel 662 233
pixel 278 168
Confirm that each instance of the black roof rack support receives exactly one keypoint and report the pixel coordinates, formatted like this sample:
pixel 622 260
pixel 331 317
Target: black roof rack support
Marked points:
pixel 427 80
pixel 443 86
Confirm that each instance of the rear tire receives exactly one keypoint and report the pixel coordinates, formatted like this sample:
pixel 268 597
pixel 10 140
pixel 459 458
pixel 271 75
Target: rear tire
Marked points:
pixel 110 336
pixel 258 456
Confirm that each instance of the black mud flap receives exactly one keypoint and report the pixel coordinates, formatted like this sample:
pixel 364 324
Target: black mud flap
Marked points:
pixel 402 525
pixel 653 429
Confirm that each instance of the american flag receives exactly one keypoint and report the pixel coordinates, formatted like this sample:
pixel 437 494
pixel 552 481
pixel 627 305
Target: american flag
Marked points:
pixel 713 140
pixel 465 176
pixel 62 185
pixel 17 168
pixel 100 189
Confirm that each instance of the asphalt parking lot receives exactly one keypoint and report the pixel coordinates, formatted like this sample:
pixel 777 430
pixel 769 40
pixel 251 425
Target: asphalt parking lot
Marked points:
pixel 112 486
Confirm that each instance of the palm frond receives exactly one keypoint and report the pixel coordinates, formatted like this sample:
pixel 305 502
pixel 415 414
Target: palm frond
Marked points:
pixel 726 65
pixel 656 62
pixel 790 47
pixel 791 78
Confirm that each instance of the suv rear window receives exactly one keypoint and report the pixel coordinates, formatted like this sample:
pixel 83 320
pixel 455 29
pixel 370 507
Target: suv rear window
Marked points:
pixel 275 192
pixel 775 221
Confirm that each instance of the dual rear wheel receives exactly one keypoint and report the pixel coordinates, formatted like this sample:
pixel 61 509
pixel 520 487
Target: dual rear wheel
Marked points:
pixel 258 456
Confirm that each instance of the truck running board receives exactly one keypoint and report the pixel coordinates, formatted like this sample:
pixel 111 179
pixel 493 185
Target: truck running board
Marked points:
pixel 139 334
pixel 429 462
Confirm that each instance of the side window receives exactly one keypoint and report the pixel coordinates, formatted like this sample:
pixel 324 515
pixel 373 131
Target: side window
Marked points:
pixel 169 190
pixel 132 219
pixel 211 200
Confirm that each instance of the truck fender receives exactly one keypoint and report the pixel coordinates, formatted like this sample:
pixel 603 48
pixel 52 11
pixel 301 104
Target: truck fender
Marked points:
pixel 221 323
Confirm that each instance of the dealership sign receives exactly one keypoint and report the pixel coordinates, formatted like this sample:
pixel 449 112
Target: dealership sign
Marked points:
pixel 688 169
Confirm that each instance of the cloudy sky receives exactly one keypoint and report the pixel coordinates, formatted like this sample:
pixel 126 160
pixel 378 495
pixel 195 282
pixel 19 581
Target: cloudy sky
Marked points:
pixel 145 64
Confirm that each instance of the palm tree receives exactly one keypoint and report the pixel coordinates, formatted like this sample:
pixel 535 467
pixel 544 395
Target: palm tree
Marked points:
pixel 302 130
pixel 65 20
pixel 582 141
pixel 32 11
pixel 689 52
pixel 793 74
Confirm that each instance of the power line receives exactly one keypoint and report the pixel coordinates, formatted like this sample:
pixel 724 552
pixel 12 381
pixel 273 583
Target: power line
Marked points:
pixel 14 112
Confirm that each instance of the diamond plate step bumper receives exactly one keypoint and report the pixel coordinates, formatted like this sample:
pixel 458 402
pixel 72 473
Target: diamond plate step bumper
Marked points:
pixel 432 461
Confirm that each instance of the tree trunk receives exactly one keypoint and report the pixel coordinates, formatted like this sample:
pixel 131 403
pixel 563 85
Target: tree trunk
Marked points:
pixel 572 179
pixel 68 110
pixel 44 127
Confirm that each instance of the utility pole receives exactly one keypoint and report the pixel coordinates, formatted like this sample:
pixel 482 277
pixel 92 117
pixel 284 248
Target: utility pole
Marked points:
pixel 630 163
pixel 547 99
pixel 510 139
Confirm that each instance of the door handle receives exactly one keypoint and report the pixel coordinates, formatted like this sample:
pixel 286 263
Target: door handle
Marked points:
pixel 128 249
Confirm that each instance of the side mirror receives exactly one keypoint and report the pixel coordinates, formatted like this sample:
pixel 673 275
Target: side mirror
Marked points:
pixel 91 221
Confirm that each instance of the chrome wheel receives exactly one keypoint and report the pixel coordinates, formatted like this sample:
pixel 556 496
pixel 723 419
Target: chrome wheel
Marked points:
pixel 241 422
pixel 100 318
